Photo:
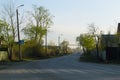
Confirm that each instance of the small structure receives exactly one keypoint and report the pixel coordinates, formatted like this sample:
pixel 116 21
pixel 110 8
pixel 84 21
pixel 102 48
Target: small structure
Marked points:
pixel 118 30
pixel 111 45
pixel 109 40
pixel 3 48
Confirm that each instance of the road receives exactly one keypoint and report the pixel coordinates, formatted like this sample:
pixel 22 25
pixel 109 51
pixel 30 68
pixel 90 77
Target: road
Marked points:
pixel 62 68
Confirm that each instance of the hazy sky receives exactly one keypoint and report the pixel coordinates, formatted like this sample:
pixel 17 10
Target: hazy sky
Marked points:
pixel 73 16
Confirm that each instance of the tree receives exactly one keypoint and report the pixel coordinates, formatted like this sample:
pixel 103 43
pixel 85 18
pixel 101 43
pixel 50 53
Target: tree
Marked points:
pixel 9 26
pixel 1 27
pixel 5 31
pixel 64 46
pixel 8 15
pixel 93 30
pixel 86 41
pixel 37 28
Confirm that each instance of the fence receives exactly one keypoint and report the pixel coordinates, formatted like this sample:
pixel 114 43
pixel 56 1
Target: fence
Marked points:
pixel 112 53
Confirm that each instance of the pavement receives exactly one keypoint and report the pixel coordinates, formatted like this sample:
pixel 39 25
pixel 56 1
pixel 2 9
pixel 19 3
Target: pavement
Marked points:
pixel 62 68
pixel 4 65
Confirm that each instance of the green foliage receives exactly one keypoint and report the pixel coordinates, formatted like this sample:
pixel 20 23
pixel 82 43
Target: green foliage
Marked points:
pixel 37 28
pixel 32 50
pixel 1 25
pixel 52 51
pixel 30 31
pixel 86 41
pixel 65 47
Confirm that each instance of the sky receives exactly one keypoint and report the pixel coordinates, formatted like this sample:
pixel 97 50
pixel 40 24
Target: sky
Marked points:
pixel 73 16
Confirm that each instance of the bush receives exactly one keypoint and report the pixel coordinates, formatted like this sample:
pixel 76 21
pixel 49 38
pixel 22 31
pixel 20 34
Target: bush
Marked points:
pixel 29 49
pixel 32 50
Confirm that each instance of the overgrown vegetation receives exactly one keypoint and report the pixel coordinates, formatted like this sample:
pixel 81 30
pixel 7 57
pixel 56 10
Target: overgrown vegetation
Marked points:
pixel 90 44
pixel 90 58
pixel 35 30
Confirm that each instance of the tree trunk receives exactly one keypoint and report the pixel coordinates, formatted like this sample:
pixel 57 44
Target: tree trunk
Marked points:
pixel 36 32
pixel 10 52
pixel 13 30
pixel 84 51
pixel 0 41
pixel 40 40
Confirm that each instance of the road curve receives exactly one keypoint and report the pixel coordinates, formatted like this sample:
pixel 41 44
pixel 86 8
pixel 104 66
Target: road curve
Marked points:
pixel 62 68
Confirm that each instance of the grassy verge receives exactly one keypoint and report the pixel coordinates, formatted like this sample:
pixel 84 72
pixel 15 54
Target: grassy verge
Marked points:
pixel 93 59
pixel 89 58
pixel 113 61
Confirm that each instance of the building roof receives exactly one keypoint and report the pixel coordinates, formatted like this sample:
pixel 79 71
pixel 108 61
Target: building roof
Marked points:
pixel 109 40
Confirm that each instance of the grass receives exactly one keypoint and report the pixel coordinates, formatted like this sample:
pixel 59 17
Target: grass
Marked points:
pixel 93 59
pixel 114 61
pixel 89 58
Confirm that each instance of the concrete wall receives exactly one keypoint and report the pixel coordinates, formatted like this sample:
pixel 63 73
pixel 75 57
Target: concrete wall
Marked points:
pixel 3 55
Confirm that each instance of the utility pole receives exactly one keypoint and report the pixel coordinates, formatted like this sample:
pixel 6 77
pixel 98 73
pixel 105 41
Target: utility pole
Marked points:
pixel 46 42
pixel 97 46
pixel 20 55
pixel 59 42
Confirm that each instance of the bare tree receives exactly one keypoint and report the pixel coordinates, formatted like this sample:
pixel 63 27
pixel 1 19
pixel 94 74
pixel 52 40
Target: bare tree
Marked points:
pixel 93 30
pixel 9 30
pixel 9 16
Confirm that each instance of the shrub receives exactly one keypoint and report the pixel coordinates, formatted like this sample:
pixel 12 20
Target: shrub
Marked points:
pixel 32 50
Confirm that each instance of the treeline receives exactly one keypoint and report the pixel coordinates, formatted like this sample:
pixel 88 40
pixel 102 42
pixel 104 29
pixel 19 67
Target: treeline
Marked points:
pixel 36 28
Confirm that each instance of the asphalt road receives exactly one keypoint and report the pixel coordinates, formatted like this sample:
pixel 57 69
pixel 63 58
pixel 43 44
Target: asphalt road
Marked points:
pixel 62 68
